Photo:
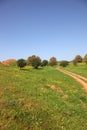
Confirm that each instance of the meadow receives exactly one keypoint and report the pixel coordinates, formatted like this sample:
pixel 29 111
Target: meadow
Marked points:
pixel 80 68
pixel 41 99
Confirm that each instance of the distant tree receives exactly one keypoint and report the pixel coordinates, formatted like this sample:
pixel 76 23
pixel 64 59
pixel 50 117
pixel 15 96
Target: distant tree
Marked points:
pixel 64 63
pixel 34 61
pixel 78 58
pixel 21 63
pixel 53 61
pixel 29 60
pixel 85 58
pixel 44 63
pixel 74 62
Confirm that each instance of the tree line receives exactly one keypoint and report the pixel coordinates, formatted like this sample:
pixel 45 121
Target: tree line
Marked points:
pixel 79 59
pixel 35 61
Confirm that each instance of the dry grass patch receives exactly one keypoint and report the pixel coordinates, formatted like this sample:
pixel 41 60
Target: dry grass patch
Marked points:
pixel 57 89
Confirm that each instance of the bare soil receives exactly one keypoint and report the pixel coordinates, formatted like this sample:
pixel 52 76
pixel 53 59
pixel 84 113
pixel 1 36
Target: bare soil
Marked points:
pixel 8 62
pixel 57 89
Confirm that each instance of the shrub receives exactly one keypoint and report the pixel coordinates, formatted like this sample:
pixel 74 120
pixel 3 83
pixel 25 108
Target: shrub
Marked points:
pixel 74 62
pixel 53 61
pixel 21 63
pixel 78 58
pixel 44 63
pixel 85 58
pixel 35 61
pixel 64 63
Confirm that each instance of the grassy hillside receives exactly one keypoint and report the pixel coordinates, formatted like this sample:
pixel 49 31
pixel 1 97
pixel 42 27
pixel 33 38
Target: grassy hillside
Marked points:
pixel 43 99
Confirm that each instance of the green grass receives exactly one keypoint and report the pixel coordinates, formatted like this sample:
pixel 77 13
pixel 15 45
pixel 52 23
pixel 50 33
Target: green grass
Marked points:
pixel 28 103
pixel 81 69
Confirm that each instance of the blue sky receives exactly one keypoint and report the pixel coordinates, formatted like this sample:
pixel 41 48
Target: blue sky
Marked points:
pixel 43 27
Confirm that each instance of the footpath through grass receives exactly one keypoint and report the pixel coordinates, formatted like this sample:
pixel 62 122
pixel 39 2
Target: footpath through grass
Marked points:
pixel 29 102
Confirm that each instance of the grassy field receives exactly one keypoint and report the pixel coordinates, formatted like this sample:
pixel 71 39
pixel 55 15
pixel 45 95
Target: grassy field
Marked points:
pixel 29 100
pixel 81 69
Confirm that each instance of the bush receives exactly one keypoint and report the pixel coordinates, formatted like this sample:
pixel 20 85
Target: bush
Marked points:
pixel 21 63
pixel 64 63
pixel 78 58
pixel 74 62
pixel 85 58
pixel 53 61
pixel 44 63
pixel 34 61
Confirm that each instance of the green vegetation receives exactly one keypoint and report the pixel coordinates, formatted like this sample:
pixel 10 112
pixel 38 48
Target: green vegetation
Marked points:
pixel 53 61
pixel 78 58
pixel 35 61
pixel 44 63
pixel 21 63
pixel 64 63
pixel 29 100
pixel 80 68
pixel 85 59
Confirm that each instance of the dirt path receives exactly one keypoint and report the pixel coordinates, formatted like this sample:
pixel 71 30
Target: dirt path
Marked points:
pixel 82 80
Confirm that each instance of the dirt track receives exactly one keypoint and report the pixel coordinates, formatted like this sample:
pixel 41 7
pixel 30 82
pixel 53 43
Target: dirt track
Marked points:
pixel 82 80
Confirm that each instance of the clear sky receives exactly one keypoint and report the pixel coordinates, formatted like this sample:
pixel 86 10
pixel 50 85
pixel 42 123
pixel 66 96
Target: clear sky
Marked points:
pixel 43 27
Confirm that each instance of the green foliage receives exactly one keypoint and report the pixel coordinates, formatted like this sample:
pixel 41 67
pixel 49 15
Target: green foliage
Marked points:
pixel 75 62
pixel 44 63
pixel 35 61
pixel 21 63
pixel 85 58
pixel 78 58
pixel 64 63
pixel 53 61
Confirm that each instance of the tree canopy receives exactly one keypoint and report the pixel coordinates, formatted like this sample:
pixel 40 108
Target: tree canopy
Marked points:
pixel 64 63
pixel 53 61
pixel 44 63
pixel 78 58
pixel 21 63
pixel 35 61
pixel 85 58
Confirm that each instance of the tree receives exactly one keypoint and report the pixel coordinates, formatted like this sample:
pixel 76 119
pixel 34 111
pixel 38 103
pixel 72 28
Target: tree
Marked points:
pixel 35 61
pixel 74 62
pixel 21 63
pixel 53 61
pixel 64 63
pixel 85 58
pixel 78 58
pixel 44 63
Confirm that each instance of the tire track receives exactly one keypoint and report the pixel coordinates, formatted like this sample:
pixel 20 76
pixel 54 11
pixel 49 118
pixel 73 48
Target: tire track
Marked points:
pixel 82 80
